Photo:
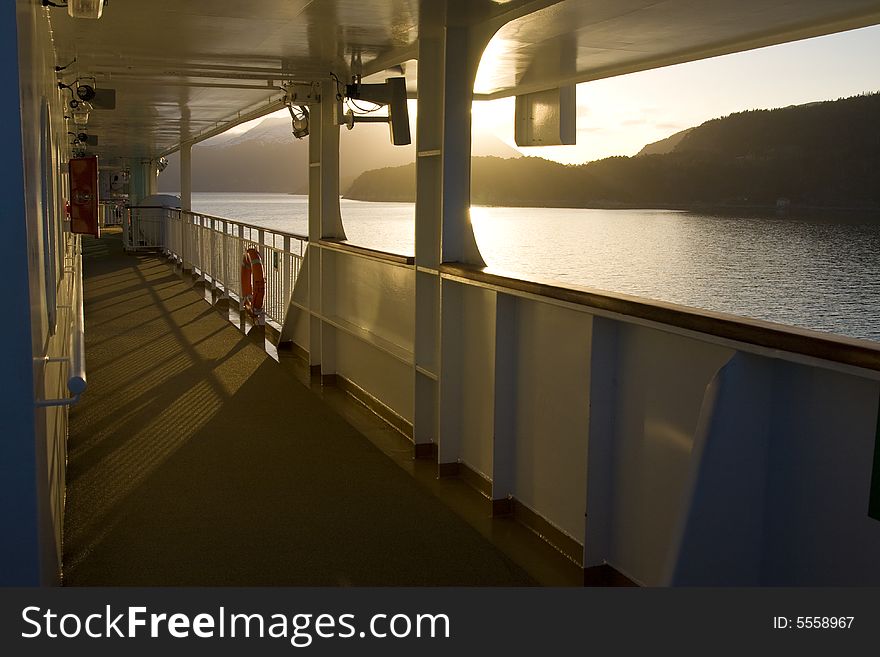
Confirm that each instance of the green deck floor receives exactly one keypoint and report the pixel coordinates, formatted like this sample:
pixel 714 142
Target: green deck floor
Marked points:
pixel 196 459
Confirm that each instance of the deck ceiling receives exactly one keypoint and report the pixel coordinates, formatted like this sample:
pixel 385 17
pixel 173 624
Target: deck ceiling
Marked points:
pixel 182 68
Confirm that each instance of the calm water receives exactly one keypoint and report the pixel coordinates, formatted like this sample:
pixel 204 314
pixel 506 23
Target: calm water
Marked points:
pixel 819 273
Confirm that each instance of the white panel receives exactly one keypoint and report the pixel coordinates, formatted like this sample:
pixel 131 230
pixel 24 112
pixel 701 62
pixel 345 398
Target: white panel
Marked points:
pixel 372 295
pixel 784 478
pixel 506 393
pixel 662 379
pixel 546 118
pixel 818 531
pixel 552 413
pixel 299 327
pixel 383 376
pixel 477 377
pixel 600 449
pixel 723 516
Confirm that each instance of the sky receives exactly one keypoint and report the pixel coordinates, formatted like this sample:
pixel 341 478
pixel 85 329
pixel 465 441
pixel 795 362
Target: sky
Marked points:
pixel 618 116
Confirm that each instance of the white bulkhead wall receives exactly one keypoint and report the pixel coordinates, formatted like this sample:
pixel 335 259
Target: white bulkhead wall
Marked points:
pixel 32 448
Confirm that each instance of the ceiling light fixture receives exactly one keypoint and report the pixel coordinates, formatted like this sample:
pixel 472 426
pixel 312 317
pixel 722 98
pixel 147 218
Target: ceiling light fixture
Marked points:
pixel 85 8
pixel 80 112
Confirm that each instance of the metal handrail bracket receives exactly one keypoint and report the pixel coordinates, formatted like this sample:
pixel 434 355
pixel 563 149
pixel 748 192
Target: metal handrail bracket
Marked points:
pixel 76 379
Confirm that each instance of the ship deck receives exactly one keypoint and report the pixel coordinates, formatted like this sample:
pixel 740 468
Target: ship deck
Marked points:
pixel 196 458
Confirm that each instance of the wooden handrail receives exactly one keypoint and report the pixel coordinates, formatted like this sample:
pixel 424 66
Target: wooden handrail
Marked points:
pixel 835 348
pixel 388 256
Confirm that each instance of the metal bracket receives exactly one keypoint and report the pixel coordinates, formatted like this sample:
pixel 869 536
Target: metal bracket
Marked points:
pixel 66 401
pixel 63 401
pixel 298 93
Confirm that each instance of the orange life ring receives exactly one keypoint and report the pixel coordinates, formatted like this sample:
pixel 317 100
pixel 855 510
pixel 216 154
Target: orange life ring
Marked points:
pixel 253 284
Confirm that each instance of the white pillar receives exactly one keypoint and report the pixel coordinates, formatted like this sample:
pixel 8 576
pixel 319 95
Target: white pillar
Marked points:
pixel 152 178
pixel 186 175
pixel 429 207
pixel 462 53
pixel 313 255
pixel 331 218
pixel 325 221
pixel 448 61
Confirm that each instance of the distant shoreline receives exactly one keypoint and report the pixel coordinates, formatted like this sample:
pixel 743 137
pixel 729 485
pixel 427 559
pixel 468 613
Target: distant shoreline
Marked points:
pixel 721 208
pixel 681 207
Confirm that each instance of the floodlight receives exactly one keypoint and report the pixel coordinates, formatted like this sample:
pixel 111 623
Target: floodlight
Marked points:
pixel 300 120
pixel 393 94
pixel 85 92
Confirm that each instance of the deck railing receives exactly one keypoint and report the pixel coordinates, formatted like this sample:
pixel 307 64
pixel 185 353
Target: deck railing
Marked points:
pixel 110 213
pixel 213 248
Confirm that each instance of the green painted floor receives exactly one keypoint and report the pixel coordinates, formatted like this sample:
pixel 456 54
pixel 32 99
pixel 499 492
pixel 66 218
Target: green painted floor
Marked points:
pixel 196 459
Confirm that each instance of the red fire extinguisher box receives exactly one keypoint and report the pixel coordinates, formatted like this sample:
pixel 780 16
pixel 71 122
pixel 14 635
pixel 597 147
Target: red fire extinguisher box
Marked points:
pixel 83 173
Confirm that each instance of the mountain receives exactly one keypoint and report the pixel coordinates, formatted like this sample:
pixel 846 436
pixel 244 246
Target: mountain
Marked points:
pixel 664 145
pixel 824 154
pixel 267 158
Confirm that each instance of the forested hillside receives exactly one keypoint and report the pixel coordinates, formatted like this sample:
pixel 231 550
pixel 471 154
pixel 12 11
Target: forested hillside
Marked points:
pixel 822 154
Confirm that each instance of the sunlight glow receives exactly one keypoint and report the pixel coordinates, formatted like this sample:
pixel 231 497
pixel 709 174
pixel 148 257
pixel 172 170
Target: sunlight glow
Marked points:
pixel 618 116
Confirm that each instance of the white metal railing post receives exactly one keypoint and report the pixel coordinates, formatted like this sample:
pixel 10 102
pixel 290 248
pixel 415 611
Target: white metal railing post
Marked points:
pixel 286 262
pixel 190 227
pixel 213 247
pixel 267 277
pixel 183 245
pixel 197 243
pixel 207 255
pixel 174 224
pixel 126 230
pixel 224 259
pixel 238 252
pixel 164 247
pixel 207 251
pixel 205 244
pixel 216 245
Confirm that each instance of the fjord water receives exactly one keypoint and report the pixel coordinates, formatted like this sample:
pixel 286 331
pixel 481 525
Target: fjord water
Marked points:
pixel 820 271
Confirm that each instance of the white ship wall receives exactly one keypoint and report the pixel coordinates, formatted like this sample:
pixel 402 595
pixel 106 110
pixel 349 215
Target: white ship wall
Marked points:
pixel 368 305
pixel 679 458
pixel 32 450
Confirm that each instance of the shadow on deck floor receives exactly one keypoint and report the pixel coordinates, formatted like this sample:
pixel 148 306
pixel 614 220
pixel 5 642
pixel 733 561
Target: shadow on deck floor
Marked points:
pixel 195 459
